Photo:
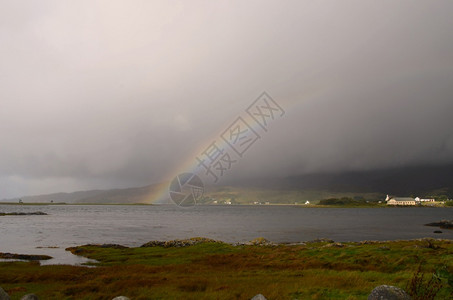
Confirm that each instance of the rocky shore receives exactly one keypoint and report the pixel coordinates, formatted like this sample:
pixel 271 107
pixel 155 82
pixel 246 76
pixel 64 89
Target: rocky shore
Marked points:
pixel 428 242
pixel 444 224
pixel 24 256
pixel 36 213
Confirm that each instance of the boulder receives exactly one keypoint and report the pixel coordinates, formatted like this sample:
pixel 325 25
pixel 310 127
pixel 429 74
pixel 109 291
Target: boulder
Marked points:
pixel 3 295
pixel 259 297
pixel 445 224
pixel 388 292
pixel 24 256
pixel 30 297
pixel 179 243
pixel 334 245
pixel 36 213
pixel 121 298
pixel 322 240
pixel 113 246
pixel 260 241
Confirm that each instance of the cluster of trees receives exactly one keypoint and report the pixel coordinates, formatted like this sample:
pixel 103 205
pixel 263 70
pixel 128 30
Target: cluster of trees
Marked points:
pixel 440 197
pixel 343 201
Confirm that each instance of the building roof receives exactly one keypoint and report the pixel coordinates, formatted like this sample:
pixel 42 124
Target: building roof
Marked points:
pixel 403 199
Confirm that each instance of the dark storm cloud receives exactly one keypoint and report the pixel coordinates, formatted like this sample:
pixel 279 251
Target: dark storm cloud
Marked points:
pixel 98 94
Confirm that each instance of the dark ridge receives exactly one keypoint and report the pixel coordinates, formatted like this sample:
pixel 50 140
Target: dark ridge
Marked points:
pixel 410 181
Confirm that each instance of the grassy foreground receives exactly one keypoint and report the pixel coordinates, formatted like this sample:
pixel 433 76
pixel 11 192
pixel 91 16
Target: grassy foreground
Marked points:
pixel 215 270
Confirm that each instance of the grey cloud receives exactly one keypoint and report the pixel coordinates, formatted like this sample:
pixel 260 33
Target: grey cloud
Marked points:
pixel 99 94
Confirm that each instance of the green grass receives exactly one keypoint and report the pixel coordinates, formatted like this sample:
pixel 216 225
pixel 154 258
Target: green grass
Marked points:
pixel 32 203
pixel 249 195
pixel 318 270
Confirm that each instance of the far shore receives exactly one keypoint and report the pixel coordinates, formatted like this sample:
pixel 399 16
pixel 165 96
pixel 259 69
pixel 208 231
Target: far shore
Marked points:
pixel 364 205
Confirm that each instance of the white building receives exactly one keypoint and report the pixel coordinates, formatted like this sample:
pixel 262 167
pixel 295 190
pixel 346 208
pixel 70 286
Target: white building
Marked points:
pixel 424 200
pixel 399 200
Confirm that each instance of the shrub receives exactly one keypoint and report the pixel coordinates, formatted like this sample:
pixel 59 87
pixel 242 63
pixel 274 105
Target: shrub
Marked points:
pixel 341 201
pixel 421 289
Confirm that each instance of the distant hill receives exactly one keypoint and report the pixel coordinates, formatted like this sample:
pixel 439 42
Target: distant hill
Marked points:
pixel 114 196
pixel 129 195
pixel 276 195
pixel 422 181
pixel 370 185
pixel 408 181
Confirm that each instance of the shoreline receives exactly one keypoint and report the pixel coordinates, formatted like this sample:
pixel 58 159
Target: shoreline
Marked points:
pixel 208 269
pixel 181 243
pixel 232 205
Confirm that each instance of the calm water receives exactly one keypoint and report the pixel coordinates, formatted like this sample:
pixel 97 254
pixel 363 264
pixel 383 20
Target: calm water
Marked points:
pixel 129 225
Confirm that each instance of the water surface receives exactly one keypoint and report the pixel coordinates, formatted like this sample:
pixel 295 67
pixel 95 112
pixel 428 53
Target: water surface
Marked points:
pixel 134 225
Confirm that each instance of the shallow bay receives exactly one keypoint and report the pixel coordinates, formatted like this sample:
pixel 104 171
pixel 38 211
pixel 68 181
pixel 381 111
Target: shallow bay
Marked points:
pixel 133 225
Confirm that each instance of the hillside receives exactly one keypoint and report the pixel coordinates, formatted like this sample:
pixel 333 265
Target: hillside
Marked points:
pixel 113 196
pixel 370 185
pixel 254 195
pixel 408 181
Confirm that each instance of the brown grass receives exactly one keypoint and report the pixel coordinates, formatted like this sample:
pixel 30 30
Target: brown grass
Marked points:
pixel 220 271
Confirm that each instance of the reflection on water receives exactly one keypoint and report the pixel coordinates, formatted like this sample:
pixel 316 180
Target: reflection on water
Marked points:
pixel 132 225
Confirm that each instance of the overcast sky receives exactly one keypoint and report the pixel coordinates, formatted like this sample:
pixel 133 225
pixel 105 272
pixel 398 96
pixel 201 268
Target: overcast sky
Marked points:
pixel 101 94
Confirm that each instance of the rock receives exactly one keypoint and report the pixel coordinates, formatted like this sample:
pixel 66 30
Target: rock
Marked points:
pixel 368 242
pixel 260 242
pixel 445 224
pixel 334 245
pixel 322 240
pixel 3 295
pixel 24 256
pixel 113 246
pixel 121 298
pixel 179 243
pixel 292 244
pixel 80 250
pixel 388 292
pixel 259 297
pixel 30 297
pixel 36 213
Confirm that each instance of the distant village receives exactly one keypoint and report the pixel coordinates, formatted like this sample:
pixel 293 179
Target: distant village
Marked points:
pixel 389 200
pixel 404 201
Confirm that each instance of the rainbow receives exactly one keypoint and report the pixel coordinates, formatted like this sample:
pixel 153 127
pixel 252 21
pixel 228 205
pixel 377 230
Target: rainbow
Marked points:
pixel 191 165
